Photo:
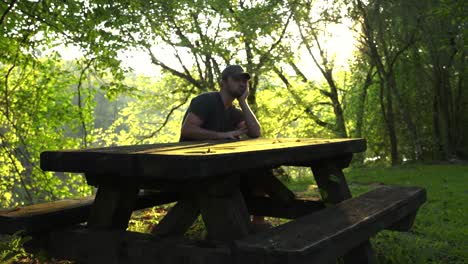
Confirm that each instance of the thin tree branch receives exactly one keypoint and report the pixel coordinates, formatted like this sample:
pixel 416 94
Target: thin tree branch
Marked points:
pixel 13 162
pixel 10 6
pixel 403 49
pixel 309 50
pixel 264 56
pixel 80 107
pixel 299 72
pixel 166 120
pixel 188 78
pixel 298 100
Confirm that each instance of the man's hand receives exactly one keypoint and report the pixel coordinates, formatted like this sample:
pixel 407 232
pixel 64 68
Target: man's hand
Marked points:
pixel 235 133
pixel 243 97
pixel 250 120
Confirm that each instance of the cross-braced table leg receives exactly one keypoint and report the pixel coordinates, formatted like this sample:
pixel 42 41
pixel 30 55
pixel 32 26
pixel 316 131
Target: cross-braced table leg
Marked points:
pixel 221 205
pixel 179 218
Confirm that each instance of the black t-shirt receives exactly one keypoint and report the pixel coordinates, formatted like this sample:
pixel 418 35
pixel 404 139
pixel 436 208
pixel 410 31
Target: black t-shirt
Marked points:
pixel 209 107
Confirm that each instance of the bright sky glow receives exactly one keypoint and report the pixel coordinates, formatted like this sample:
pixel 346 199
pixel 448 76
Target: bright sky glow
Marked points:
pixel 339 43
pixel 140 62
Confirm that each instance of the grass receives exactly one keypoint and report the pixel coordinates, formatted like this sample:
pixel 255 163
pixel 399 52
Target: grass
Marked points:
pixel 440 231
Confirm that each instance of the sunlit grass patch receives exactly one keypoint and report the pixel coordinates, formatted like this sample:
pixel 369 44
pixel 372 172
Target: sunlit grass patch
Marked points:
pixel 410 247
pixel 11 248
pixel 144 220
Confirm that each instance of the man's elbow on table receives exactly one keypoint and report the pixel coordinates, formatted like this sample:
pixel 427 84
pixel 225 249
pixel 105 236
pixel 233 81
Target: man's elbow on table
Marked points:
pixel 254 133
pixel 185 131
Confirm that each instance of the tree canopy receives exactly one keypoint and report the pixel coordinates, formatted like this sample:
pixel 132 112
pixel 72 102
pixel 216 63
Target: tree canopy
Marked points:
pixel 404 89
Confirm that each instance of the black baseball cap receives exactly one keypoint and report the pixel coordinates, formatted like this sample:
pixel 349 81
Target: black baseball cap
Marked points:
pixel 235 71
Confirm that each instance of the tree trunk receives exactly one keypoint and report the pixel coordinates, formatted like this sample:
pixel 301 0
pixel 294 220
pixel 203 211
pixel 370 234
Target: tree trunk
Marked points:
pixel 386 102
pixel 390 122
pixel 417 148
pixel 461 108
pixel 386 82
pixel 337 109
pixel 362 103
pixel 252 99
pixel 359 157
pixel 442 103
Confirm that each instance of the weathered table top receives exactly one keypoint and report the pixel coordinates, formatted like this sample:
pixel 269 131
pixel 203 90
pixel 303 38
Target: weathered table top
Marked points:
pixel 197 159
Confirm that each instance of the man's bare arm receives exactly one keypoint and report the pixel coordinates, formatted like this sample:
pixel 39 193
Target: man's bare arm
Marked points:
pixel 191 128
pixel 251 121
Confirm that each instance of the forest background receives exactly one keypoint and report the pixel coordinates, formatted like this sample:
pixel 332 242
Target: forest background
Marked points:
pixel 403 89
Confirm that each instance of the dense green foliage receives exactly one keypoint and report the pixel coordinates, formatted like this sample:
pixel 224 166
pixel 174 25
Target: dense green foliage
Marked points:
pixel 404 90
pixel 11 248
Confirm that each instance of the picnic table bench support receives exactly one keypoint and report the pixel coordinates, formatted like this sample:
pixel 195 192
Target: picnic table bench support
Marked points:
pixel 219 212
pixel 218 201
pixel 262 181
pixel 222 201
pixel 404 224
pixel 179 218
pixel 333 190
pixel 113 206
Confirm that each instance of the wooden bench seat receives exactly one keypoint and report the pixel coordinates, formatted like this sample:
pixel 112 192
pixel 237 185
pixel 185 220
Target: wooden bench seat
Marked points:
pixel 46 216
pixel 323 236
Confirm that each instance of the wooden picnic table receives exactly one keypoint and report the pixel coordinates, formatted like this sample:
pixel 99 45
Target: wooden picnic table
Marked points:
pixel 206 176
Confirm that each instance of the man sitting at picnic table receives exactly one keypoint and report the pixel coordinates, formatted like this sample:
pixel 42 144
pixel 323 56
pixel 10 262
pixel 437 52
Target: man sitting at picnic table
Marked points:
pixel 212 115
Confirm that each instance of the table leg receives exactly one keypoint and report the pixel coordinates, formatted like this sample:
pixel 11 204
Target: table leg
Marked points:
pixel 224 210
pixel 334 189
pixel 263 181
pixel 179 218
pixel 112 206
pixel 331 182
